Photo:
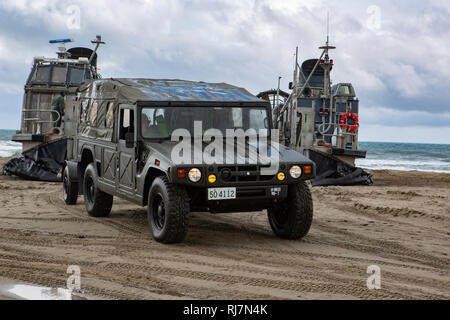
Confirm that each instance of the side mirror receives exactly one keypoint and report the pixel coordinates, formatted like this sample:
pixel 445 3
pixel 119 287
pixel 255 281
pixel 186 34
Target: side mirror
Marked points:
pixel 129 140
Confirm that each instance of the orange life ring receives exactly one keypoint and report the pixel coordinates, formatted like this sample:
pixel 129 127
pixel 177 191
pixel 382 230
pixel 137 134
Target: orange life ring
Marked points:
pixel 345 126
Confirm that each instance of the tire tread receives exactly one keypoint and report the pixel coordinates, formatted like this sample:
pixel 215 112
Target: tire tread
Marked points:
pixel 178 209
pixel 299 208
pixel 72 193
pixel 103 201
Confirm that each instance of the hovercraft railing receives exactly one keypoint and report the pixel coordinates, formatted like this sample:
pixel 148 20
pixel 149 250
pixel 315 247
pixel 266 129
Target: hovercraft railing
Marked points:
pixel 36 122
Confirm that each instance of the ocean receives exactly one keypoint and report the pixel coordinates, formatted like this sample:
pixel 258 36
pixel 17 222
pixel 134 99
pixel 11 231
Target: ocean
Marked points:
pixel 380 155
pixel 405 156
pixel 7 147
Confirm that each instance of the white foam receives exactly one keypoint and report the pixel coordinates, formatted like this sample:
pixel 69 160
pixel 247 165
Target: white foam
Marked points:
pixel 404 165
pixel 9 148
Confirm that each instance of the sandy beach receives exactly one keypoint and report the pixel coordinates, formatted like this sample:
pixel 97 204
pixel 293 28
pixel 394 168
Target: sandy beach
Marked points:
pixel 401 224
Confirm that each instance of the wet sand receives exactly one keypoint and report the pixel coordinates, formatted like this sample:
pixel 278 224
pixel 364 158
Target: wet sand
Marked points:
pixel 17 290
pixel 401 224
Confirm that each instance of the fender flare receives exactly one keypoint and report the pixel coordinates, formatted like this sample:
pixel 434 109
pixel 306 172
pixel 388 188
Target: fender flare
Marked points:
pixel 150 174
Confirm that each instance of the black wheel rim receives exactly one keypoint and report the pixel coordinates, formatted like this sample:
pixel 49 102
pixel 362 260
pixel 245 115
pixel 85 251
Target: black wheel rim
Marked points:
pixel 90 189
pixel 158 211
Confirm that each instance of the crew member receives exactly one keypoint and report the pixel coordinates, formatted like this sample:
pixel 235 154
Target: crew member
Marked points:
pixel 58 105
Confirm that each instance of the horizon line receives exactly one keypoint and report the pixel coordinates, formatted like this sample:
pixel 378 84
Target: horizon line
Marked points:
pixel 373 141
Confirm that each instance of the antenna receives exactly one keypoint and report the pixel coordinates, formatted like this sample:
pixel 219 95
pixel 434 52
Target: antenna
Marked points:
pixel 327 47
pixel 98 41
pixel 326 63
pixel 328 26
pixel 296 67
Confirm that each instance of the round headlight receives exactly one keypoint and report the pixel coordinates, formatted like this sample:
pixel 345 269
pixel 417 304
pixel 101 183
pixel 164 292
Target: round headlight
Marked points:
pixel 195 175
pixel 295 172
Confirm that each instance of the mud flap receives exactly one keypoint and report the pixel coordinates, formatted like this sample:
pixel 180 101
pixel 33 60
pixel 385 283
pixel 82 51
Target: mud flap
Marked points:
pixel 42 163
pixel 333 172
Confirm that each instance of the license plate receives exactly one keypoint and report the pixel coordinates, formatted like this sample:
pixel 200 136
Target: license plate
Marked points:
pixel 221 193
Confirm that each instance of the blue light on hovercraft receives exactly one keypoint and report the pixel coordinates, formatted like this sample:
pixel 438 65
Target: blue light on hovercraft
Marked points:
pixel 61 40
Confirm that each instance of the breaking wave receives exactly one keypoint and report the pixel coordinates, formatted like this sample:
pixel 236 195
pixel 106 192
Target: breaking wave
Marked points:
pixel 405 156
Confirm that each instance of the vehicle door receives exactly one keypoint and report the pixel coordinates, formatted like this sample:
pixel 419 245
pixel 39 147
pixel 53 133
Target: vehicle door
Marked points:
pixel 126 167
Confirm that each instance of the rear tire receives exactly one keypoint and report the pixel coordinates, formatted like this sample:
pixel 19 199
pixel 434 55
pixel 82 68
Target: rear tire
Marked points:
pixel 168 211
pixel 292 218
pixel 97 202
pixel 70 189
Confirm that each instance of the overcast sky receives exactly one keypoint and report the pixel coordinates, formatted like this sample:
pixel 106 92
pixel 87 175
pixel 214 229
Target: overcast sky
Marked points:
pixel 395 54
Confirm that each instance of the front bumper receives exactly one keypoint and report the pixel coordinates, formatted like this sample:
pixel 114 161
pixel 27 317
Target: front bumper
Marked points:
pixel 240 175
pixel 248 198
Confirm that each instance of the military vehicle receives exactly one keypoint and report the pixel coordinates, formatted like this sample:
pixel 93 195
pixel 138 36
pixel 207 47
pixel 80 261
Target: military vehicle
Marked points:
pixel 321 121
pixel 47 123
pixel 124 146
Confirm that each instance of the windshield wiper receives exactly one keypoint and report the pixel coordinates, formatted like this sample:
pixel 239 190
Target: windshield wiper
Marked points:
pixel 158 139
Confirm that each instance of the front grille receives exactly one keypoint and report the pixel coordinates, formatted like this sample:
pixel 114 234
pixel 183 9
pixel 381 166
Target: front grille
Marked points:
pixel 242 173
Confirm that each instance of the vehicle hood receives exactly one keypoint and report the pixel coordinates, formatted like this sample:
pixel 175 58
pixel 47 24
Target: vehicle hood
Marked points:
pixel 286 155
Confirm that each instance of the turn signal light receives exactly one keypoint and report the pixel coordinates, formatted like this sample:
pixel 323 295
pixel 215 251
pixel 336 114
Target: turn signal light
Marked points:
pixel 212 178
pixel 181 173
pixel 281 176
pixel 307 169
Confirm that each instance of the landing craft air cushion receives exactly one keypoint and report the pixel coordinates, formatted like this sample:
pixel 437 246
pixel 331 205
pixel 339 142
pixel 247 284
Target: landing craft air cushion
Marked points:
pixel 47 121
pixel 321 121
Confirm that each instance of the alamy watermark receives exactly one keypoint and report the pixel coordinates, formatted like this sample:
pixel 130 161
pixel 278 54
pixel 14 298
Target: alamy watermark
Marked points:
pixel 374 21
pixel 73 21
pixel 374 280
pixel 74 280
pixel 236 146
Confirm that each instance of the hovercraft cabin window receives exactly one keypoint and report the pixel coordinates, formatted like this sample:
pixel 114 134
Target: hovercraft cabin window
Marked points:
pixel 344 90
pixel 41 74
pixel 59 75
pixel 78 75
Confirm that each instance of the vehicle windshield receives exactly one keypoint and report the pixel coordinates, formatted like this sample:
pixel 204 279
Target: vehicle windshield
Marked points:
pixel 161 122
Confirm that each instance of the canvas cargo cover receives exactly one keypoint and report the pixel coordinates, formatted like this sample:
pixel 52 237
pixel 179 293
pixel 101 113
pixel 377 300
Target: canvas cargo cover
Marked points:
pixel 134 90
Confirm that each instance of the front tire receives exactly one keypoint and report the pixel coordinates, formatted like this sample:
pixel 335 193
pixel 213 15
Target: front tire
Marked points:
pixel 98 203
pixel 70 189
pixel 167 211
pixel 292 218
